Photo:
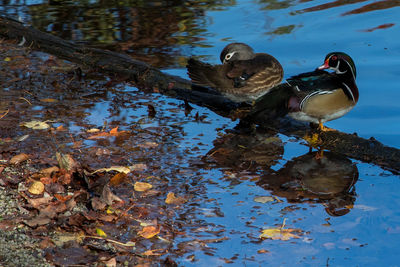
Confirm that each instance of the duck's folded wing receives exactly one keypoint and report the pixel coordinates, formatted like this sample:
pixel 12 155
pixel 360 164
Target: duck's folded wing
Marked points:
pixel 317 80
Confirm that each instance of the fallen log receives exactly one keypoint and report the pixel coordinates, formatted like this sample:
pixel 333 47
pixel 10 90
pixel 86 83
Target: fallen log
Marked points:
pixel 147 77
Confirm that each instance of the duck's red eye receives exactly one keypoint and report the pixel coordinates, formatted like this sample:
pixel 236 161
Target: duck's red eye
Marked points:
pixel 334 58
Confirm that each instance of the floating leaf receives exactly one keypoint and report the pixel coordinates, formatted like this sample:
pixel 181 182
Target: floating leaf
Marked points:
pixel 19 158
pixel 100 232
pixel 112 132
pixel 172 199
pixel 141 187
pixel 278 233
pixel 36 125
pixel 61 128
pixel 122 169
pixel 262 251
pixel 93 130
pixel 149 231
pixel 263 199
pixel 7 59
pixel 36 188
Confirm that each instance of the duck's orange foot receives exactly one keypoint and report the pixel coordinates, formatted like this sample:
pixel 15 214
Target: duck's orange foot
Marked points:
pixel 322 128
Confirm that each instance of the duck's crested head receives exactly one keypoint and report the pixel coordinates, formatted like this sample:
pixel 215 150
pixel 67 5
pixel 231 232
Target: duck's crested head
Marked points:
pixel 340 62
pixel 236 51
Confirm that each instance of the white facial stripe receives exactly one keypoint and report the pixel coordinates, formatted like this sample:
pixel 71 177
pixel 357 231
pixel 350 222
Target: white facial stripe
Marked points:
pixel 351 68
pixel 336 69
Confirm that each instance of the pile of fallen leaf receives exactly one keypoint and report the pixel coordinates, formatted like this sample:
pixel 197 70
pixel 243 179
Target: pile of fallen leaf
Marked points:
pixel 75 204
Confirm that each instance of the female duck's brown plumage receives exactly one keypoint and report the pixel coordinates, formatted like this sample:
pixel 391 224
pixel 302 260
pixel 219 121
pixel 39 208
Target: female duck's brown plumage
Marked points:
pixel 243 76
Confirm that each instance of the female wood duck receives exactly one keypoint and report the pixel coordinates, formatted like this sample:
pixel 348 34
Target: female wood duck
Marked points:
pixel 317 96
pixel 243 76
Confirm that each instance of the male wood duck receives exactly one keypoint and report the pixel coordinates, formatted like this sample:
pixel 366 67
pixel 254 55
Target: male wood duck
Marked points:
pixel 243 76
pixel 317 96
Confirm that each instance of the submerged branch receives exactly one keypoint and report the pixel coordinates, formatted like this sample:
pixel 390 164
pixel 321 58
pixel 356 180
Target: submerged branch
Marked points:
pixel 148 77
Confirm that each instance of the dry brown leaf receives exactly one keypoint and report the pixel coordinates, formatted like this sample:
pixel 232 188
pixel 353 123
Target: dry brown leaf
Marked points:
pixel 148 145
pixel 61 128
pixel 66 161
pixel 98 204
pixel 139 167
pixel 262 251
pixel 153 252
pixel 111 262
pixel 49 171
pixel 172 199
pixel 149 231
pixel 37 202
pixel 118 178
pixel 49 100
pixel 37 221
pixel 112 132
pixel 141 187
pixel 61 238
pixel 36 188
pixel 108 197
pixel 17 159
pixel 122 169
pixel 36 125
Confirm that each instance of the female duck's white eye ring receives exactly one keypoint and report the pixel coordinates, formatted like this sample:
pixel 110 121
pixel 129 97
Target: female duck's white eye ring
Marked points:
pixel 229 55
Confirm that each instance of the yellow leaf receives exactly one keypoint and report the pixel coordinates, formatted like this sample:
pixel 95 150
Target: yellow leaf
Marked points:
pixel 7 59
pixel 36 125
pixel 172 199
pixel 36 188
pixel 100 232
pixel 149 231
pixel 278 233
pixel 140 186
pixel 270 233
pixel 110 210
pixel 122 169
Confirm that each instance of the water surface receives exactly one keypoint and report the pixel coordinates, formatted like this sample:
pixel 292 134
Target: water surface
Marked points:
pixel 348 211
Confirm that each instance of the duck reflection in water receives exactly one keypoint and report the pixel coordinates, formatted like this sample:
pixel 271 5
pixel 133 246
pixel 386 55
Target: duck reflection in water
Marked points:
pixel 328 180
